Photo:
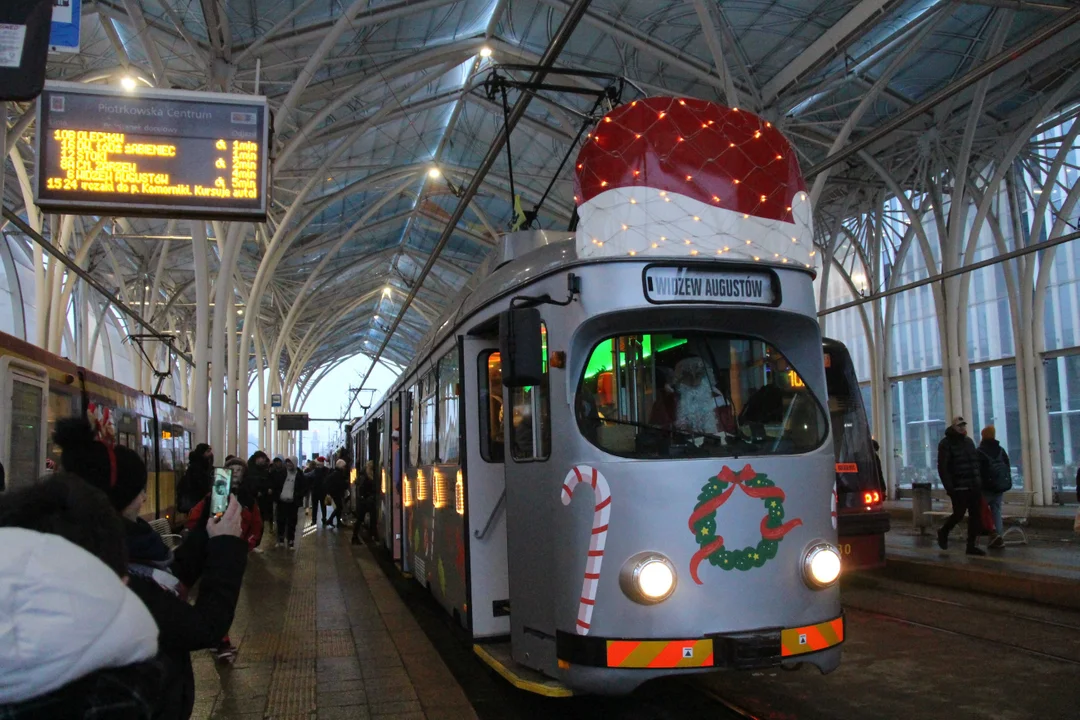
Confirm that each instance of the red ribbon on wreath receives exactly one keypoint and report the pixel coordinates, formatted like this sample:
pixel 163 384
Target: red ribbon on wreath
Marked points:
pixel 709 507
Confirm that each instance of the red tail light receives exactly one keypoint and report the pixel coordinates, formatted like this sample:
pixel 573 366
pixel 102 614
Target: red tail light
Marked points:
pixel 870 498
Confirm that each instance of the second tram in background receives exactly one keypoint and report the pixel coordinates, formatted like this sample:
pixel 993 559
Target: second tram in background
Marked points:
pixel 862 520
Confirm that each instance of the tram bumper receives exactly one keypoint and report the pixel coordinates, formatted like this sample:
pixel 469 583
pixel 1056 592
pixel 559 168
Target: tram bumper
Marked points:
pixel 616 666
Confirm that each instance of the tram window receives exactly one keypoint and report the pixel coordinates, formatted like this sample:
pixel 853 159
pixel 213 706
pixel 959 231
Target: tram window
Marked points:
pixel 531 421
pixel 492 447
pixel 695 394
pixel 412 426
pixel 26 401
pixel 427 419
pixel 448 407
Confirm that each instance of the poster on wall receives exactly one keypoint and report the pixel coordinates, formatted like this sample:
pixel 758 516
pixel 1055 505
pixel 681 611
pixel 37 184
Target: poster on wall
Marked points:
pixel 66 25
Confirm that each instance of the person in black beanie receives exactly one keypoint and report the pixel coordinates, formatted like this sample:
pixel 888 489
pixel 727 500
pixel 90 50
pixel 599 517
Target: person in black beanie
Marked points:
pixel 214 556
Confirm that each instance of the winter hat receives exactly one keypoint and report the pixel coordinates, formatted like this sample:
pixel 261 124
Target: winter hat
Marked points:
pixel 196 455
pixel 340 464
pixel 117 471
pixel 989 433
pixel 322 460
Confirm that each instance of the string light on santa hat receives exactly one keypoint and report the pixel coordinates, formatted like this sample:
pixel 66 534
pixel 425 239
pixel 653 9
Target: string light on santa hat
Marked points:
pixel 723 180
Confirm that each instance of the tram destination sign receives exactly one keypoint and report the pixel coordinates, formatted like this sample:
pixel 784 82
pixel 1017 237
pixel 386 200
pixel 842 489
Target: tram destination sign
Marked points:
pixel 158 153
pixel 694 284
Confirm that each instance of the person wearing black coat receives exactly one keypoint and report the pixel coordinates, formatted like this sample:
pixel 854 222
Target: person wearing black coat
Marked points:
pixel 184 628
pixel 258 478
pixel 960 473
pixel 198 477
pixel 215 557
pixel 336 483
pixel 317 486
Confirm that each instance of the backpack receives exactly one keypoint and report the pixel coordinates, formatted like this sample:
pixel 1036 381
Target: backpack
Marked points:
pixel 999 479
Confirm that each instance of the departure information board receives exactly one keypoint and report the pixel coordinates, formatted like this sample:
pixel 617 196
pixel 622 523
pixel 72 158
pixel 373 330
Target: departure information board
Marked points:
pixel 161 153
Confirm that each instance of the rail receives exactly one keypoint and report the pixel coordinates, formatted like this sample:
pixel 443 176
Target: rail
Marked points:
pixel 481 534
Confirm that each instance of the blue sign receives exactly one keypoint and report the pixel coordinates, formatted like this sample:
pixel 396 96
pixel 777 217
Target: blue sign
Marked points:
pixel 275 400
pixel 66 24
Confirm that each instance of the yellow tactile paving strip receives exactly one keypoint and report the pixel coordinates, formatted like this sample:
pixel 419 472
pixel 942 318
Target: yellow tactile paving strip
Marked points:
pixel 323 635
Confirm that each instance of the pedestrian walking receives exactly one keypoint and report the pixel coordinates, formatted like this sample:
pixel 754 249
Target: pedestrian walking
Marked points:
pixel 996 473
pixel 337 482
pixel 288 503
pixel 958 468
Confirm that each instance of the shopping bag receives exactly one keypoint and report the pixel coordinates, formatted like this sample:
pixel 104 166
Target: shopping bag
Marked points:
pixel 986 517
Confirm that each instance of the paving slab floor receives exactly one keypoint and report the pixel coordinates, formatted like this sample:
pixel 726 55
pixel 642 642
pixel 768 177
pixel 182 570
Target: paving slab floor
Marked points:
pixel 322 635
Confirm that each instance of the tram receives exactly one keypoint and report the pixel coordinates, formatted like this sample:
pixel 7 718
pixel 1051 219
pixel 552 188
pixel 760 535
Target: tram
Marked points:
pixel 610 460
pixel 862 520
pixel 43 388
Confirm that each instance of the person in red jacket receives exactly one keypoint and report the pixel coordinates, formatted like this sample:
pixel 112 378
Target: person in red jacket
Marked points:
pixel 251 522
pixel 251 530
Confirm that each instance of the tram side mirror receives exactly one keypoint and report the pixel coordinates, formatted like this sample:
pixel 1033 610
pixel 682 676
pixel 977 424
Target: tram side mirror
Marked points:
pixel 521 347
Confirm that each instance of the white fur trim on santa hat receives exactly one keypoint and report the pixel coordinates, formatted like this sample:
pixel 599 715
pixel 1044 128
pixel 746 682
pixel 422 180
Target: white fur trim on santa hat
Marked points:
pixel 654 223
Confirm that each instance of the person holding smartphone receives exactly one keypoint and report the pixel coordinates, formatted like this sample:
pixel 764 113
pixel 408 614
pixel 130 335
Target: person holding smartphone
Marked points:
pixel 214 556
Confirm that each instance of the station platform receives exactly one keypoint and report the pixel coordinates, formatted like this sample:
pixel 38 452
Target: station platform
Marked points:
pixel 322 635
pixel 1044 570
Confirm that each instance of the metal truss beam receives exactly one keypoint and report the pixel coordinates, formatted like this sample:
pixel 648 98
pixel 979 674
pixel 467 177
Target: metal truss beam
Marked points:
pixel 828 47
pixel 931 101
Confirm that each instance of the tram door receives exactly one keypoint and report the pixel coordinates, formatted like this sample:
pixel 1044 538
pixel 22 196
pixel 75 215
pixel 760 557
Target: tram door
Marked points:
pixel 24 389
pixel 485 487
pixel 397 510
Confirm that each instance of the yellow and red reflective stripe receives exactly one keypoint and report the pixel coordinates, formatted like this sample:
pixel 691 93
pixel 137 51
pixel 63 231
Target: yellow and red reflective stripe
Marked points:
pixel 811 638
pixel 659 654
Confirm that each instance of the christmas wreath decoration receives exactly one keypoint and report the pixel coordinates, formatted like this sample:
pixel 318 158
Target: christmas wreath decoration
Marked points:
pixel 703 521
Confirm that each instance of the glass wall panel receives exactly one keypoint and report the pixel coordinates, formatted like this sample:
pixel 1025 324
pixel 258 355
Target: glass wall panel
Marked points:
pixel 996 401
pixel 1063 401
pixel 918 425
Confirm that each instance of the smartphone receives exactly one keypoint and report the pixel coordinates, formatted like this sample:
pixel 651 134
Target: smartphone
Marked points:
pixel 219 498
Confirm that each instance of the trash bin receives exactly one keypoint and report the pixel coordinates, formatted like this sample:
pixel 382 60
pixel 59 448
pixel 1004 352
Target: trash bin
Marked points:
pixel 920 505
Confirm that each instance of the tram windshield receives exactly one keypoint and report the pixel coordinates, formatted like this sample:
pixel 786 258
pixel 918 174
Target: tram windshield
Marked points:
pixel 695 394
pixel 856 470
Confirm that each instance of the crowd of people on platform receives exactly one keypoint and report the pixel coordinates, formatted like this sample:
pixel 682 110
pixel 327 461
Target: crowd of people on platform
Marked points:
pixel 97 620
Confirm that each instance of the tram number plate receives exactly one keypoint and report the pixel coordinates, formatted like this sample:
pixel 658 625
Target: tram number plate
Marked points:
pixel 671 284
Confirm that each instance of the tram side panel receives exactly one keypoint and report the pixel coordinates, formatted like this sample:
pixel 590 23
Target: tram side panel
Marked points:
pixel 123 415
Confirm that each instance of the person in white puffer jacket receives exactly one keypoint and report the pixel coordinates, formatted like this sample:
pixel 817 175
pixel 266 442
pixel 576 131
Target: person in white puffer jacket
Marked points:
pixel 63 615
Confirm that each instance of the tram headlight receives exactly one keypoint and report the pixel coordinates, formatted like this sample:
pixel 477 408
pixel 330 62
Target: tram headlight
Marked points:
pixel 648 578
pixel 821 567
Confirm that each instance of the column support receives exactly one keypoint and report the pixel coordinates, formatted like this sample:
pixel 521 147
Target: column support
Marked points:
pixel 202 330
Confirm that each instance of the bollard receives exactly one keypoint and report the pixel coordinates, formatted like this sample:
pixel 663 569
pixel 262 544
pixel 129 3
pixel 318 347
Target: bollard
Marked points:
pixel 920 505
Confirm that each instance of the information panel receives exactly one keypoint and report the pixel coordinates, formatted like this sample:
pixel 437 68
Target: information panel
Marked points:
pixel 163 153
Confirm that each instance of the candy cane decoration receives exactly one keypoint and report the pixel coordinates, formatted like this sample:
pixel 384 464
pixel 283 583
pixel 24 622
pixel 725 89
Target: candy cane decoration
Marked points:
pixel 601 513
pixel 833 509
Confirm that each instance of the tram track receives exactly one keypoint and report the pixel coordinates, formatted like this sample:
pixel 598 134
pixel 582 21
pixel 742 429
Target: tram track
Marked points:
pixel 980 609
pixel 892 617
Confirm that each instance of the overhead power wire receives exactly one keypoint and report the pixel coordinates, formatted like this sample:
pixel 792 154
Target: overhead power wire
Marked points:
pixel 1044 245
pixel 558 41
pixel 73 266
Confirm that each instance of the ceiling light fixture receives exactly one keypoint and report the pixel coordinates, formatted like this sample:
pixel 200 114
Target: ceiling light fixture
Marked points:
pixel 485 52
pixel 128 83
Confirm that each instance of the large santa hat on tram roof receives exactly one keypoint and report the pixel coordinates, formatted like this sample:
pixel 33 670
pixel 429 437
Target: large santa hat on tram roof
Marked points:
pixel 683 177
